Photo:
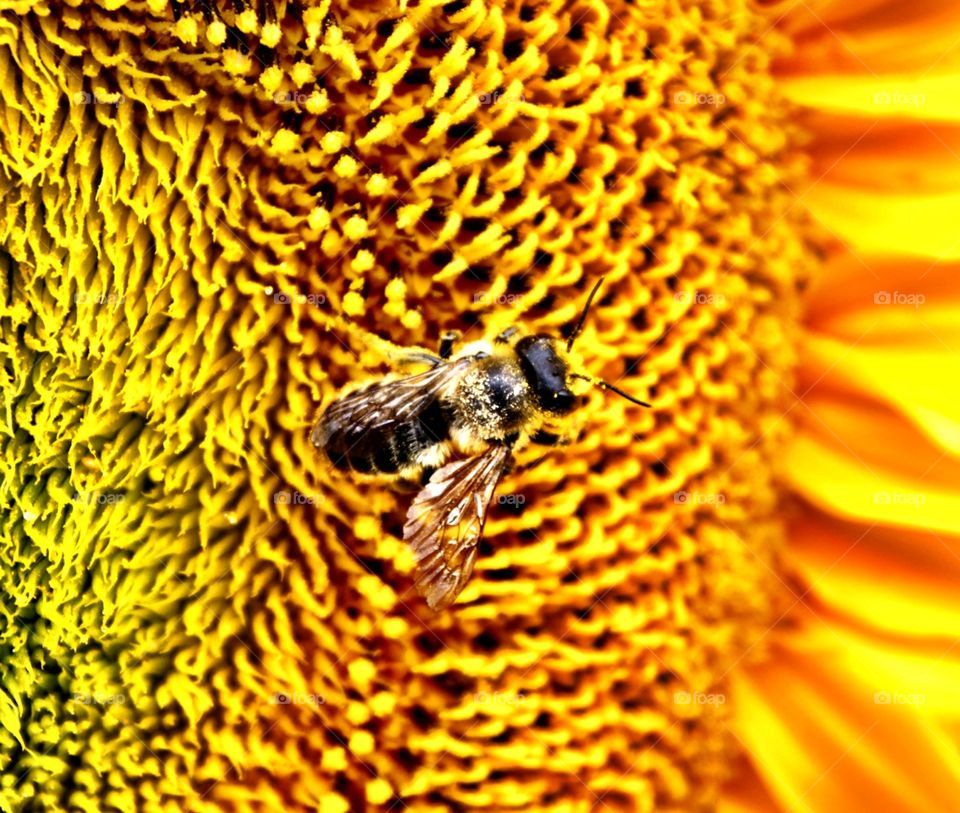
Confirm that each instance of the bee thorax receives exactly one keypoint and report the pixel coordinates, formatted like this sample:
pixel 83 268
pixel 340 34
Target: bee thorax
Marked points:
pixel 493 401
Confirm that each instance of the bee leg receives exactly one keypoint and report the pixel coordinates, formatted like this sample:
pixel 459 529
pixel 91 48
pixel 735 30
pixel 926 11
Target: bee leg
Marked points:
pixel 511 462
pixel 542 438
pixel 528 466
pixel 447 340
pixel 507 334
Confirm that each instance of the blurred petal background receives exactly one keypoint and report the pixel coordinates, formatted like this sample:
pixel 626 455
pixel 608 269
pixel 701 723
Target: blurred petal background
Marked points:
pixel 857 708
pixel 212 217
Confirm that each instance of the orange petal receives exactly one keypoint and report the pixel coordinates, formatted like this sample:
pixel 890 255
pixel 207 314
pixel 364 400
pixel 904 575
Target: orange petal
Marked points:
pixel 746 793
pixel 809 721
pixel 920 673
pixel 870 36
pixel 848 16
pixel 893 581
pixel 887 331
pixel 872 466
pixel 884 155
pixel 843 301
pixel 905 224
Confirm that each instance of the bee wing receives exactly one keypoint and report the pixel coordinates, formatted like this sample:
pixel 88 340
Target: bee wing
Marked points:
pixel 377 407
pixel 445 521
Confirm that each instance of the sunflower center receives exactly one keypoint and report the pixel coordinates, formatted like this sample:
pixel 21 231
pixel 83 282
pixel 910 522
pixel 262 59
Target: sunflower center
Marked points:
pixel 220 214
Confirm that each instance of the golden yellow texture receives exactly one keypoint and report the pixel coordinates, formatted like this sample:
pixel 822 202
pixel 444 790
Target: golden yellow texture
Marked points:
pixel 212 220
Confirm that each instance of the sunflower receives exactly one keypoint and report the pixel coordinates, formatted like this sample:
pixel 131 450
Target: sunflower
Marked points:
pixel 216 216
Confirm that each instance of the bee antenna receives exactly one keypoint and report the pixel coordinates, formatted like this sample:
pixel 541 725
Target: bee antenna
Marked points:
pixel 583 314
pixel 605 386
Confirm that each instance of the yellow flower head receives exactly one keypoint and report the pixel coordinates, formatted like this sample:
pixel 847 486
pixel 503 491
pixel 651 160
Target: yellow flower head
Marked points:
pixel 215 218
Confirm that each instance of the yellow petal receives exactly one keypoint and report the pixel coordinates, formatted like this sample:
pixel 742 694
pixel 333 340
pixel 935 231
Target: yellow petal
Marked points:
pixel 872 466
pixel 906 223
pixel 928 97
pixel 746 793
pixel 809 720
pixel 888 331
pixel 922 674
pixel 909 378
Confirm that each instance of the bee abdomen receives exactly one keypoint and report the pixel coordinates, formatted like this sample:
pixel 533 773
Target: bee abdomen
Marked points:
pixel 389 449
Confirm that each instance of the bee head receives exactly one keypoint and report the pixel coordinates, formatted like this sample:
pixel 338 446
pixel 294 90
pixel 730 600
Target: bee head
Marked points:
pixel 550 369
pixel 545 369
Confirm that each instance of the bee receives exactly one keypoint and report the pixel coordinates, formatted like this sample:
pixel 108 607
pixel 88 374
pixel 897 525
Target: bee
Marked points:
pixel 452 430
